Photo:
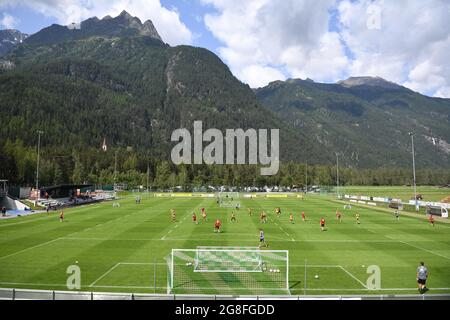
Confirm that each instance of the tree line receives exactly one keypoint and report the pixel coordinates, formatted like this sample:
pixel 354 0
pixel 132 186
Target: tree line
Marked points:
pixel 94 166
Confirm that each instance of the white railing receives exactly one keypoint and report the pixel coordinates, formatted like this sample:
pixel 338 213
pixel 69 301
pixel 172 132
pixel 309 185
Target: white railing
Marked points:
pixel 26 294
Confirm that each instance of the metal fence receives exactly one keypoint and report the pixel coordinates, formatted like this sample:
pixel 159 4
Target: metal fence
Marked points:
pixel 26 294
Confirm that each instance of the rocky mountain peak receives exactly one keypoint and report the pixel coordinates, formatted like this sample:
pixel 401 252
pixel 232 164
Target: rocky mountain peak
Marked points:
pixel 9 38
pixel 368 81
pixel 122 25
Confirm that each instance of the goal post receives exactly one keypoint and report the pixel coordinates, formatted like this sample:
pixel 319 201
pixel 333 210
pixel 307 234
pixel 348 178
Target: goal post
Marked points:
pixel 223 259
pixel 228 199
pixel 228 270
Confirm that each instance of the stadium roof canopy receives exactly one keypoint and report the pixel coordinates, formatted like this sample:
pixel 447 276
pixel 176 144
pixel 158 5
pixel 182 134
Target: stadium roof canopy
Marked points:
pixel 67 187
pixel 63 190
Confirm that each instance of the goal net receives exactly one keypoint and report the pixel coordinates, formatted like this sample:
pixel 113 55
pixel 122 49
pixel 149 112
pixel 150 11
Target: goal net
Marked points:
pixel 228 199
pixel 228 270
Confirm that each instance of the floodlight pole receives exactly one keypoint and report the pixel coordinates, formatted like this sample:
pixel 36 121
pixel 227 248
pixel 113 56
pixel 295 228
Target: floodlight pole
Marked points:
pixel 306 172
pixel 148 173
pixel 115 169
pixel 337 173
pixel 414 170
pixel 37 165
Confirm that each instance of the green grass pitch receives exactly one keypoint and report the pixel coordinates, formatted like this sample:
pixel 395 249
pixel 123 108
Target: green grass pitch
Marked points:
pixel 123 249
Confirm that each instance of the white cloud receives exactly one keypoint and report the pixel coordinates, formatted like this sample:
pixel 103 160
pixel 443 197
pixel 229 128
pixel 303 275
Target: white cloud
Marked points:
pixel 260 76
pixel 410 47
pixel 8 21
pixel 291 34
pixel 265 40
pixel 403 41
pixel 167 21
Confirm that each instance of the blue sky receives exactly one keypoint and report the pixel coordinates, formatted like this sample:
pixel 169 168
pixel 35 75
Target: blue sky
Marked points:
pixel 28 20
pixel 266 40
pixel 191 14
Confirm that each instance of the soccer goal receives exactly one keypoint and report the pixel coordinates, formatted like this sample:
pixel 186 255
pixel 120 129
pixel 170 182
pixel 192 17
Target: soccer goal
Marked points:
pixel 228 199
pixel 228 270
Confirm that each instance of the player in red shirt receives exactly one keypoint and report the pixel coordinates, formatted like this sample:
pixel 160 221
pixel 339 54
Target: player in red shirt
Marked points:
pixel 431 219
pixel 194 218
pixel 217 225
pixel 303 216
pixel 322 224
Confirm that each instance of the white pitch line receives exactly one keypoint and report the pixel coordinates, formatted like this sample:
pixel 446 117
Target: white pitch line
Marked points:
pixel 174 227
pixel 128 287
pixel 315 266
pixel 351 275
pixel 29 248
pixel 40 218
pixel 32 284
pixel 45 243
pixel 142 287
pixel 139 263
pixel 274 239
pixel 22 222
pixel 365 289
pixel 420 248
pixel 104 275
pixel 279 226
pixel 287 240
pixel 65 285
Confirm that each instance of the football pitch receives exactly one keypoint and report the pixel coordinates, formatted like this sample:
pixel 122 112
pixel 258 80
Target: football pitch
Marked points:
pixel 124 249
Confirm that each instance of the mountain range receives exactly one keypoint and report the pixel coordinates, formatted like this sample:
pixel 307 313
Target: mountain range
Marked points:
pixel 9 39
pixel 365 120
pixel 116 78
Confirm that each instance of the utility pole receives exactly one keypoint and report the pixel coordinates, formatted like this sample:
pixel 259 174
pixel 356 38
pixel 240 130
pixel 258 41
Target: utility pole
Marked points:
pixel 414 170
pixel 37 165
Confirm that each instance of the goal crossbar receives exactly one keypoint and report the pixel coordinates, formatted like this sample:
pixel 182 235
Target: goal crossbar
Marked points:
pixel 228 268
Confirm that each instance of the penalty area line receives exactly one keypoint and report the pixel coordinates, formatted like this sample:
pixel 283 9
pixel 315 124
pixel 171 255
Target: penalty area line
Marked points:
pixel 105 274
pixel 351 275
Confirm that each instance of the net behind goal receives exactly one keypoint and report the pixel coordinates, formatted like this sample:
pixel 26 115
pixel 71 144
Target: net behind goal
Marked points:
pixel 228 199
pixel 225 270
